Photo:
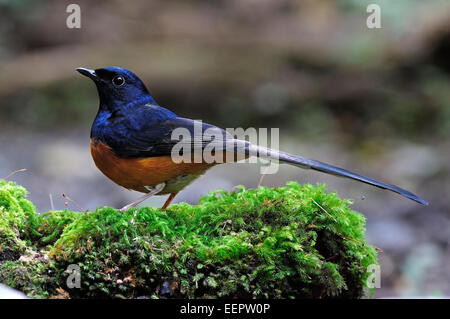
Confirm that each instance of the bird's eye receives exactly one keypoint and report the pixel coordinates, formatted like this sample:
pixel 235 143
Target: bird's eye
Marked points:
pixel 118 80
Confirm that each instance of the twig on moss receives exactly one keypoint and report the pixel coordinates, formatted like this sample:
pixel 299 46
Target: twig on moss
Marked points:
pixel 330 258
pixel 379 249
pixel 323 209
pixel 52 206
pixel 14 172
pixel 74 202
pixel 262 177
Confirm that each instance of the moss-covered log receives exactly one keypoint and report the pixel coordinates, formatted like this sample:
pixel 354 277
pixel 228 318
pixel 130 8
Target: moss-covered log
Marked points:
pixel 291 242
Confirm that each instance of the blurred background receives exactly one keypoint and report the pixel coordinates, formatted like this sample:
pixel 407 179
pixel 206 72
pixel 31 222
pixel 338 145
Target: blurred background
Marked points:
pixel 376 101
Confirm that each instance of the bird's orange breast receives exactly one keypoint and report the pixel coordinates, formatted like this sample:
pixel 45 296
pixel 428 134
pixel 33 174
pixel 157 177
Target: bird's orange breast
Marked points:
pixel 136 173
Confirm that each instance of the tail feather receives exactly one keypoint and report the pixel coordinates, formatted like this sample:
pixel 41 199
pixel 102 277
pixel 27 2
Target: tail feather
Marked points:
pixel 326 168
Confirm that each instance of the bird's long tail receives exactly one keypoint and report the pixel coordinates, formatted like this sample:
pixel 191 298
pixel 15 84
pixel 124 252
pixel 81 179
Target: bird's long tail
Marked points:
pixel 302 162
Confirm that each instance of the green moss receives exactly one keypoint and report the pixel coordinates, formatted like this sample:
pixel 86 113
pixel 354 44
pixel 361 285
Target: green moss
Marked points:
pixel 45 229
pixel 291 242
pixel 14 209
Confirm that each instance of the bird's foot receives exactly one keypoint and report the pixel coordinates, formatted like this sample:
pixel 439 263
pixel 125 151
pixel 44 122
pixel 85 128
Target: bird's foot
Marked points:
pixel 169 200
pixel 152 191
pixel 125 208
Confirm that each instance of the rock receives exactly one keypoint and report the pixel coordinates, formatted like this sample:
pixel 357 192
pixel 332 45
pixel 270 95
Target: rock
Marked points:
pixel 9 293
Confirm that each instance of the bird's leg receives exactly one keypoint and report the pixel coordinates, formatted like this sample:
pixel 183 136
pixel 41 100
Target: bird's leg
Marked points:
pixel 152 191
pixel 169 200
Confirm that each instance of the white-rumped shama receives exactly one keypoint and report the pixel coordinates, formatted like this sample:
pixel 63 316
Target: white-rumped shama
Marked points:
pixel 131 141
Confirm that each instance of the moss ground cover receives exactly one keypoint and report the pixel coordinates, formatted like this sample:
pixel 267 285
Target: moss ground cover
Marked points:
pixel 296 241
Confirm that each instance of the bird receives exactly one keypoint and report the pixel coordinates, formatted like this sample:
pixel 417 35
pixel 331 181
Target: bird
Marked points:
pixel 132 141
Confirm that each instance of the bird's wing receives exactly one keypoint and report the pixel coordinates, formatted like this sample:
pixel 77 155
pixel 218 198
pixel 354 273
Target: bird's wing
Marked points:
pixel 160 139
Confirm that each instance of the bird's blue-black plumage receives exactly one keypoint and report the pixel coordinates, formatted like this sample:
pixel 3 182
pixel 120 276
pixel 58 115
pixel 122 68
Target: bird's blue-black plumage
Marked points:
pixel 133 125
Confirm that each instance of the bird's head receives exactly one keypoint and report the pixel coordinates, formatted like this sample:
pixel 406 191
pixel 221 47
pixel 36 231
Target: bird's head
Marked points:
pixel 117 86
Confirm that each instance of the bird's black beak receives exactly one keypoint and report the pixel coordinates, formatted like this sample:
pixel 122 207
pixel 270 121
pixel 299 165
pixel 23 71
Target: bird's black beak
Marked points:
pixel 88 72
